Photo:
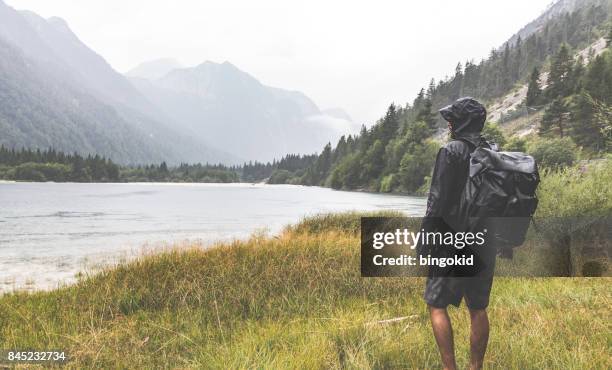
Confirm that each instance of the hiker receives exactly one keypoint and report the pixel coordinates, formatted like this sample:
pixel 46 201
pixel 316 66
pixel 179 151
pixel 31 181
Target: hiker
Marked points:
pixel 466 118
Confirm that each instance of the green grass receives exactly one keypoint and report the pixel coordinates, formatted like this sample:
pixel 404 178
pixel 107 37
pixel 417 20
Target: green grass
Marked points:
pixel 297 301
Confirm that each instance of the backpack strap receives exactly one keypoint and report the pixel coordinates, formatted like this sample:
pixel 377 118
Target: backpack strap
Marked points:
pixel 482 144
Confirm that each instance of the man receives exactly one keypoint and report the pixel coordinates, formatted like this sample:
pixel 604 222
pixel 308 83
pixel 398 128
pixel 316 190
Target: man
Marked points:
pixel 466 118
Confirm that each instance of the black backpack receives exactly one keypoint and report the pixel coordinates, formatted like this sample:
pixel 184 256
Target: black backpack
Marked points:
pixel 500 196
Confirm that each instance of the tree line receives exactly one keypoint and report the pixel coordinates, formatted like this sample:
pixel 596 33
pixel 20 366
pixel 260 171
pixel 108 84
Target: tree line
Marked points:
pixel 52 165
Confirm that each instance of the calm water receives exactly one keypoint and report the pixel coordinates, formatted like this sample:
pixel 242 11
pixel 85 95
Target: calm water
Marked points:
pixel 49 232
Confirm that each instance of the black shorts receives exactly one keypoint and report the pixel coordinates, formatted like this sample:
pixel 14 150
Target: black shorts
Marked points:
pixel 442 291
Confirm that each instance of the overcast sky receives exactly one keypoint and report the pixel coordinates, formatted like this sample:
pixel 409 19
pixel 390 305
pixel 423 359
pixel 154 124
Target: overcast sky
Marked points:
pixel 359 56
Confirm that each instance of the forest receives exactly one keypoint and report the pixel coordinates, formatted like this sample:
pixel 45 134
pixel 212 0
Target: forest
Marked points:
pixel 52 165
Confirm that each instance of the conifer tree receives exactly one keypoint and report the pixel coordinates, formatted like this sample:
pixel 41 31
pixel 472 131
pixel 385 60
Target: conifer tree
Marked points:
pixel 560 70
pixel 425 115
pixel 554 118
pixel 589 121
pixel 534 92
pixel 431 90
pixel 322 166
pixel 389 125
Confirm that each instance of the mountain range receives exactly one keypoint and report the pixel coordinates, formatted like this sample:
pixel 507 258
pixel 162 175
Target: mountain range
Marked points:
pixel 57 92
pixel 222 105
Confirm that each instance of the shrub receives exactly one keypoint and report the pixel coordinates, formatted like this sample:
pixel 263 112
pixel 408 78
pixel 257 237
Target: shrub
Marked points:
pixel 554 153
pixel 492 132
pixel 42 172
pixel 574 214
pixel 577 191
pixel 516 144
pixel 416 165
pixel 280 177
pixel 386 184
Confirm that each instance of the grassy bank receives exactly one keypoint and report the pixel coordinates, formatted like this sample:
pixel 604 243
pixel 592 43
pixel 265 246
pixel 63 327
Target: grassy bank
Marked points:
pixel 296 301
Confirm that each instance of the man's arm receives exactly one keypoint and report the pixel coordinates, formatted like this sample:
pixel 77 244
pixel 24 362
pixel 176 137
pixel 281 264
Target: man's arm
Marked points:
pixel 443 181
pixel 443 184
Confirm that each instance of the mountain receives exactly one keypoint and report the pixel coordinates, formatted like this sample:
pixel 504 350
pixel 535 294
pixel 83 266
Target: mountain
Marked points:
pixel 230 109
pixel 50 41
pixel 555 9
pixel 57 92
pixel 154 69
pixel 39 111
pixel 67 96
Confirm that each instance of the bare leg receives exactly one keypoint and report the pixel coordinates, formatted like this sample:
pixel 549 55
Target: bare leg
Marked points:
pixel 443 332
pixel 479 337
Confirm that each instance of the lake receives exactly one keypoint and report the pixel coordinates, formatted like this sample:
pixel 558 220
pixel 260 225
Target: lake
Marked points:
pixel 49 232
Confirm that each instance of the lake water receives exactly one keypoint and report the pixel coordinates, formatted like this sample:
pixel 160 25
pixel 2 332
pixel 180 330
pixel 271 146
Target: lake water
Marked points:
pixel 51 231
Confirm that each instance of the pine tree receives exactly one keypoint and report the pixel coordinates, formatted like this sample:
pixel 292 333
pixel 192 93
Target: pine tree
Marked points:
pixel 518 59
pixel 560 70
pixel 389 125
pixel 373 161
pixel 506 75
pixel 340 151
pixel 598 78
pixel 609 38
pixel 322 166
pixel 163 168
pixel 425 115
pixel 418 101
pixel 431 90
pixel 574 79
pixel 534 92
pixel 458 69
pixel 456 83
pixel 554 118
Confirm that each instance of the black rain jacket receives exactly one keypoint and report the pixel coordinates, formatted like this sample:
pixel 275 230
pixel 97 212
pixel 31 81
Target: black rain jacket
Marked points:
pixel 467 117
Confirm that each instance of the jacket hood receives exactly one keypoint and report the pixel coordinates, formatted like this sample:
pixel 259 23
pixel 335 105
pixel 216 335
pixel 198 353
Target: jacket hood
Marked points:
pixel 467 116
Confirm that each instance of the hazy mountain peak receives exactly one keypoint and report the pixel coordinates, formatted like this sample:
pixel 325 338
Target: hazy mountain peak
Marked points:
pixel 154 69
pixel 206 64
pixel 209 64
pixel 59 23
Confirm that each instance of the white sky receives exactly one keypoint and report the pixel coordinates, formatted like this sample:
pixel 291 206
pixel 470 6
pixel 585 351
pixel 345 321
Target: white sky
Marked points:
pixel 357 55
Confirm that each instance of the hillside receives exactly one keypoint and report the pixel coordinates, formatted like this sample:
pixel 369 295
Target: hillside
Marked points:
pixel 542 90
pixel 555 9
pixel 56 92
pixel 39 111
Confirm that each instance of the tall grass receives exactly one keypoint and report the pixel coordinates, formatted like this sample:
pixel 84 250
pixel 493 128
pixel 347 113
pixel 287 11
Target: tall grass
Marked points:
pixel 575 215
pixel 296 301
